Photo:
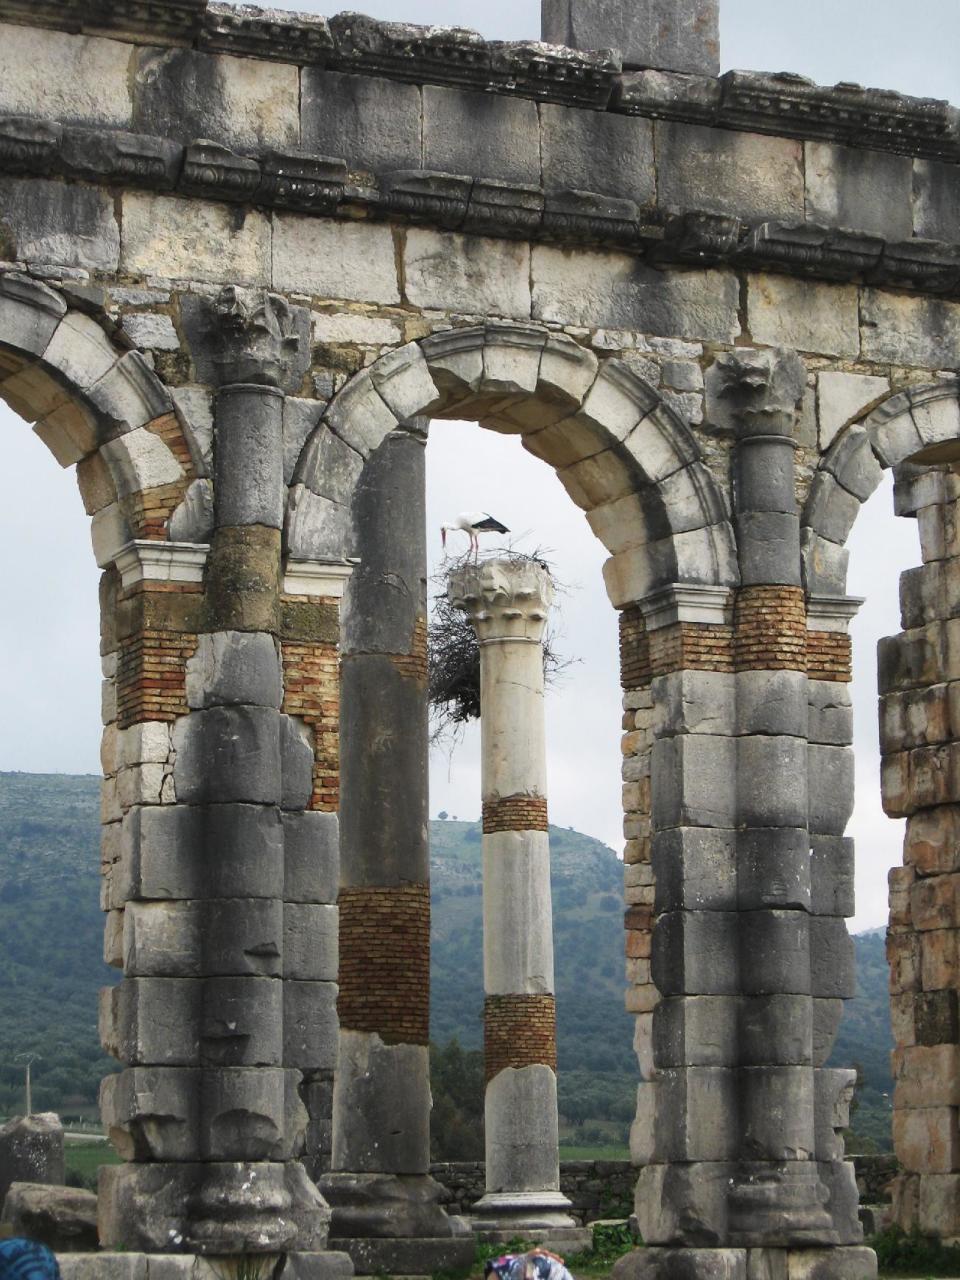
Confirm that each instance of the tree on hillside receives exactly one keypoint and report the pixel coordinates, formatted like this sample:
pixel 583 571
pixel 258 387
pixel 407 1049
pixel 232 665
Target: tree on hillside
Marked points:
pixel 456 1122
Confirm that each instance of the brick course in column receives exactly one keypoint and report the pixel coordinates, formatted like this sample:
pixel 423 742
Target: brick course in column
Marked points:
pixel 829 656
pixel 311 691
pixel 770 629
pixel 519 1031
pixel 152 662
pixel 515 813
pixel 682 646
pixel 385 962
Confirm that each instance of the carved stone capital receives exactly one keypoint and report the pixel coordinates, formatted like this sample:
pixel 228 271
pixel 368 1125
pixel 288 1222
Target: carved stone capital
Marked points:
pixel 504 599
pixel 764 389
pixel 259 342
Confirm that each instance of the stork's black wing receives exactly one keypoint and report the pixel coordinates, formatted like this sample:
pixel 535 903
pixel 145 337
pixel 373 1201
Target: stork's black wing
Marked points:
pixel 491 525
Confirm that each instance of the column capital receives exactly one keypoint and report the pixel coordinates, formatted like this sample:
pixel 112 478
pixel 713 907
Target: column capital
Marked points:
pixel 504 599
pixel 258 337
pixel 764 389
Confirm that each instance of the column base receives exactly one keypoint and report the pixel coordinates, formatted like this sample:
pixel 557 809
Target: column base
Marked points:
pixel 409 1256
pixel 189 1266
pixel 780 1205
pixel 855 1263
pixel 540 1217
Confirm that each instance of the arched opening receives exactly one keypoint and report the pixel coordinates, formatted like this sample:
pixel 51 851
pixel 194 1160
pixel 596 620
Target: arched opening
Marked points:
pixel 915 435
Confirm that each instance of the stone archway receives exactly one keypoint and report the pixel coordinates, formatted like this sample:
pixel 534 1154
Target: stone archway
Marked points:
pixel 916 434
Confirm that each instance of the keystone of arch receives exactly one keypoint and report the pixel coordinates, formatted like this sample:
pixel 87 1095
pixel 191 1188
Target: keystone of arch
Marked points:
pixel 623 455
pixel 918 426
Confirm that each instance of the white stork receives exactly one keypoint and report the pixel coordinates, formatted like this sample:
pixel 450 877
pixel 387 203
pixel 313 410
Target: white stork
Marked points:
pixel 474 523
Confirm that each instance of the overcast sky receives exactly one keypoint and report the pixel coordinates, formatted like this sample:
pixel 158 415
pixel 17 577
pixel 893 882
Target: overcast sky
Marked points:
pixel 49 677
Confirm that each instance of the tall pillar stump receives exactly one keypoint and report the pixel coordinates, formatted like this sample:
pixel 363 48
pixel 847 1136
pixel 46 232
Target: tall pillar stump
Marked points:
pixel 507 603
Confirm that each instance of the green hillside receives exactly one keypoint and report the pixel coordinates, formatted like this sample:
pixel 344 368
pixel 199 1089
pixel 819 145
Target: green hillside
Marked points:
pixel 51 941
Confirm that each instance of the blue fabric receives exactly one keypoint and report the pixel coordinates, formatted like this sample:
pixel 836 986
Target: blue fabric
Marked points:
pixel 27 1260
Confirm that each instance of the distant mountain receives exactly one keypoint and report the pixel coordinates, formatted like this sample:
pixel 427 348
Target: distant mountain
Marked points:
pixel 51 933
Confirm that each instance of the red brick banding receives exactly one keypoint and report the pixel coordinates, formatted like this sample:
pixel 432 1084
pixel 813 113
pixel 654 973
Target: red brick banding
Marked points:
pixel 311 691
pixel 519 1031
pixel 413 665
pixel 829 656
pixel 385 962
pixel 515 813
pixel 770 629
pixel 682 646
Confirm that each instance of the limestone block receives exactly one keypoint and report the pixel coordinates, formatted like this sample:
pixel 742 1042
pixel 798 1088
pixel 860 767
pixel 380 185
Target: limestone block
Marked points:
pixel 746 175
pixel 829 713
pixel 774 949
pixel 350 260
pixel 484 135
pixel 904 958
pixel 242 937
pixel 820 318
pixel 869 190
pixel 695 1114
pixel 831 510
pixel 301 418
pixel 243 852
pixel 910 660
pixel 374 124
pixel 678 1202
pixel 31 1151
pixel 772 789
pixel 694 702
pixel 938 959
pixel 153 1113
pixel 915 718
pixel 384 1089
pixel 910 330
pixel 769 542
pixel 151 1021
pixel 243 1114
pixel 296 760
pixel 695 953
pixel 776 1030
pixel 79 79
pixel 54 222
pixel 241 1022
pixel 937 418
pixel 232 668
pixel 832 967
pixel 642 1143
pixel 939 532
pixel 186 94
pixel 150 331
pixel 853 462
pixel 332 329
pixel 597 151
pixel 360 416
pixel 939 1205
pixel 80 351
pixel 521 1129
pixel 311 857
pixel 310 942
pixel 927 1140
pixel 693 782
pixel 140 460
pixel 936 191
pixel 773 868
pixel 824 564
pixel 310 1026
pixel 656 34
pixel 695 869
pixel 830 783
pixel 317 528
pixel 404 383
pixel 613 290
pixel 192 239
pixel 771 703
pixel 927 1076
pixel 29 314
pixel 131 396
pixel 600 479
pixel 903 1019
pixel 567 370
pixel 695 1031
pixel 832 1264
pixel 832 875
pixel 467 274
pixel 195 411
pixel 932 841
pixel 161 939
pixel 228 754
pixel 62 1218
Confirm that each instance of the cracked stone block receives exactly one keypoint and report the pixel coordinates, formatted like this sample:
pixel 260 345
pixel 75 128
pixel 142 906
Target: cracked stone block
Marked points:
pixel 241 1022
pixel 153 1113
pixel 234 668
pixel 228 754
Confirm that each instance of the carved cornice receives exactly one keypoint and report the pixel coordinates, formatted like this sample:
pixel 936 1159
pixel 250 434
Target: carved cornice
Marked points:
pixel 505 600
pixel 259 342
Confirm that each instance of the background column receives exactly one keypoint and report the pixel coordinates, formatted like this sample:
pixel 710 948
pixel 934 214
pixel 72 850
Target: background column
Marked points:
pixel 508 603
pixel 387 1212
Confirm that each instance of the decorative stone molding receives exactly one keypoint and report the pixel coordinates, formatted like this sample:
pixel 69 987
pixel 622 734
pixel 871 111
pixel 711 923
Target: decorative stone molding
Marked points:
pixel 316 578
pixel 832 613
pixel 687 602
pixel 141 561
pixel 259 341
pixel 764 388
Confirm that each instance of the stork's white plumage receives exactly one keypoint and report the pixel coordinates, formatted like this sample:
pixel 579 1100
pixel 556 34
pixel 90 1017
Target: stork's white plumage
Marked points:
pixel 473 523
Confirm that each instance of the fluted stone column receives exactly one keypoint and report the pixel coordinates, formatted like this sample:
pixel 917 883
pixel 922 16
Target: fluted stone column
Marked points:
pixel 387 1211
pixel 208 1112
pixel 508 603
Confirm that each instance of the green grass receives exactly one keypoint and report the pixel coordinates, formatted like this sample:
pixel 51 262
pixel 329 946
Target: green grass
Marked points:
pixel 83 1159
pixel 612 1151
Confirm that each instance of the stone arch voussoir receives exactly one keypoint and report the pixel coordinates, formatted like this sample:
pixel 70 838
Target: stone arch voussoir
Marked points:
pixel 99 406
pixel 919 425
pixel 623 454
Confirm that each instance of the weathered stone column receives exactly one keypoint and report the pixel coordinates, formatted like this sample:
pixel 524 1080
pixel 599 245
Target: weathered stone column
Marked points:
pixel 508 603
pixel 738 1124
pixel 386 1208
pixel 212 1119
